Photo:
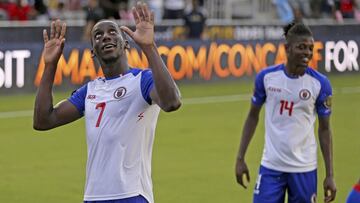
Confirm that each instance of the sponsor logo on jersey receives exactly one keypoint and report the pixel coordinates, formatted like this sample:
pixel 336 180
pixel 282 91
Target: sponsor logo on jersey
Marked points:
pixel 91 96
pixel 328 102
pixel 274 89
pixel 313 198
pixel 119 92
pixel 304 94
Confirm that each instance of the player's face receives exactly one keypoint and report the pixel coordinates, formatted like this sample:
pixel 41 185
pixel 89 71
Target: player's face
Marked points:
pixel 107 41
pixel 300 52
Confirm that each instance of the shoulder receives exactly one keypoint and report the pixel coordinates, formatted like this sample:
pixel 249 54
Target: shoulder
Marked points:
pixel 95 82
pixel 323 80
pixel 270 69
pixel 136 71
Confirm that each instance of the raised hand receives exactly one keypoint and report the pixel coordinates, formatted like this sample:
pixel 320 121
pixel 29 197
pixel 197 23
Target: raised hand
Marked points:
pixel 144 20
pixel 54 45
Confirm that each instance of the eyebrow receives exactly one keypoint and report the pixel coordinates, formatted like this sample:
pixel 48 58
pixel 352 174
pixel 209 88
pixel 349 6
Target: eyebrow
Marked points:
pixel 96 30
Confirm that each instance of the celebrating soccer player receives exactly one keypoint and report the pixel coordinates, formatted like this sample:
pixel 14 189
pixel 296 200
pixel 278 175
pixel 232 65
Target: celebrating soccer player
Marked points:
pixel 293 94
pixel 120 109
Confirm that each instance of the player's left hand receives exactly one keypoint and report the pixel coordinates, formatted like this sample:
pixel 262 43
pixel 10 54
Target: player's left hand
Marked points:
pixel 329 189
pixel 144 20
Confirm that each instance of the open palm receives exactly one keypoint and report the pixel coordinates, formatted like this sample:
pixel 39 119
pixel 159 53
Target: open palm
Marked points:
pixel 144 20
pixel 54 45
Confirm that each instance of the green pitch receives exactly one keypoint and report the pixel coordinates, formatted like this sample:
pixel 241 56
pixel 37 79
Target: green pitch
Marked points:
pixel 194 150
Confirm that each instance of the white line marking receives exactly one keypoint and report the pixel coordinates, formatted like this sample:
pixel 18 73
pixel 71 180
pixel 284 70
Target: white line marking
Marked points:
pixel 16 114
pixel 217 99
pixel 190 101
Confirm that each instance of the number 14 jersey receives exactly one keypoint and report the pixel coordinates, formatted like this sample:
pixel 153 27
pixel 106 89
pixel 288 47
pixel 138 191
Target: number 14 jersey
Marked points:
pixel 291 105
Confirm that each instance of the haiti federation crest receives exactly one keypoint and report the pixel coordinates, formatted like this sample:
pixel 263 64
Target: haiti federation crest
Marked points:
pixel 119 92
pixel 304 94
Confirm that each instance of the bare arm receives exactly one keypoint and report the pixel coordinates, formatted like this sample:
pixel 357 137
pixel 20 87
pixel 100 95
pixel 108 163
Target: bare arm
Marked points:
pixel 45 115
pixel 247 134
pixel 166 94
pixel 325 138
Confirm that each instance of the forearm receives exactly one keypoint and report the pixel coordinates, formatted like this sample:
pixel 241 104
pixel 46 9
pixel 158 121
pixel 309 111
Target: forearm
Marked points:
pixel 44 100
pixel 325 139
pixel 166 88
pixel 247 134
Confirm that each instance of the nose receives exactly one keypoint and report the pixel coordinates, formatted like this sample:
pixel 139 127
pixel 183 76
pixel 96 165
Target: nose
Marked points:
pixel 308 52
pixel 106 37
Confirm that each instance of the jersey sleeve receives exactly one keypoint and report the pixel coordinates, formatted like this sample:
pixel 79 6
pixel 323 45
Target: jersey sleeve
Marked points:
pixel 147 83
pixel 323 102
pixel 259 95
pixel 77 98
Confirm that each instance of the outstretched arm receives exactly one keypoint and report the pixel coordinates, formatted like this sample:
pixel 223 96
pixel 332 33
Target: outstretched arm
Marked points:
pixel 247 134
pixel 166 94
pixel 45 115
pixel 325 139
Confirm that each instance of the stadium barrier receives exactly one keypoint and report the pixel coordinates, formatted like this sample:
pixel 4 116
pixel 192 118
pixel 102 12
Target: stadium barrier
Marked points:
pixel 253 48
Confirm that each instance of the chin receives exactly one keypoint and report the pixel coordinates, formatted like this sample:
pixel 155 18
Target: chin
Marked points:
pixel 110 58
pixel 302 66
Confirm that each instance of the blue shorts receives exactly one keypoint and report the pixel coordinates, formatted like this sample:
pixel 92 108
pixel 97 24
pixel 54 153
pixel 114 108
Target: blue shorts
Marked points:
pixel 272 185
pixel 137 199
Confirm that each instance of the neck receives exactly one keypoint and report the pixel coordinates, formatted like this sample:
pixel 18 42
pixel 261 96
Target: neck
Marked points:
pixel 293 71
pixel 114 68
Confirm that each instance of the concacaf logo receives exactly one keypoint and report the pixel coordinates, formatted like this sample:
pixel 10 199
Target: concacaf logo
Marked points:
pixel 313 198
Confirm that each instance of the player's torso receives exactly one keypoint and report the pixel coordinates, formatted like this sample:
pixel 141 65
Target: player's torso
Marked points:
pixel 119 127
pixel 290 99
pixel 112 107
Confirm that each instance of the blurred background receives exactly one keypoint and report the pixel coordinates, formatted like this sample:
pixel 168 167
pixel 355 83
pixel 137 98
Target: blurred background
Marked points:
pixel 213 49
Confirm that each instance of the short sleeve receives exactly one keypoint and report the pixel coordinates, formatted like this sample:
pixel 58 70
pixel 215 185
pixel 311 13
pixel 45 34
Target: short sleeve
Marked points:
pixel 323 102
pixel 259 95
pixel 147 84
pixel 77 98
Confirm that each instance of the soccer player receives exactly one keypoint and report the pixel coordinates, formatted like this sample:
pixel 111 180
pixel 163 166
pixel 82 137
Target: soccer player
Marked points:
pixel 354 195
pixel 120 109
pixel 293 94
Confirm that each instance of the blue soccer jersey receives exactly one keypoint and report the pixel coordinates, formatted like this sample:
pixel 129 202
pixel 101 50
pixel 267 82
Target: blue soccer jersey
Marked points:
pixel 120 124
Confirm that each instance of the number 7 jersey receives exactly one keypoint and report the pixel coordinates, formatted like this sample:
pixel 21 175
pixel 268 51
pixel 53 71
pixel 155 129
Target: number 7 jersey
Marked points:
pixel 291 105
pixel 120 125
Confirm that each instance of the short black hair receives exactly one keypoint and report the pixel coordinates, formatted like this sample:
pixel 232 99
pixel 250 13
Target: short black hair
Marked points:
pixel 296 29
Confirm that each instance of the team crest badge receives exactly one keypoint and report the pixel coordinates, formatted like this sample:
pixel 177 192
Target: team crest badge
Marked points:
pixel 119 92
pixel 328 102
pixel 304 94
pixel 313 198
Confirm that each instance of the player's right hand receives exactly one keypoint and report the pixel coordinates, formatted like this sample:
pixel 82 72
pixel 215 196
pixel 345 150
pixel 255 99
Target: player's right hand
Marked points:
pixel 54 45
pixel 241 170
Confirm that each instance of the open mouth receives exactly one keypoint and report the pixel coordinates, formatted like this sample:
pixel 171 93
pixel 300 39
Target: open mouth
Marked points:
pixel 109 47
pixel 305 61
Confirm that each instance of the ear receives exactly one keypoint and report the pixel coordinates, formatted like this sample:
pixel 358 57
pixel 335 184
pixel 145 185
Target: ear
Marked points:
pixel 92 53
pixel 287 46
pixel 126 45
